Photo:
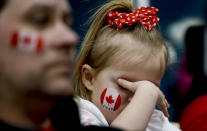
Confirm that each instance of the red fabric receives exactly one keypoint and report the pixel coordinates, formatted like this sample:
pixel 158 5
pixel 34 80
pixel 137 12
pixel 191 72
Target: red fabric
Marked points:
pixel 147 16
pixel 194 116
pixel 49 128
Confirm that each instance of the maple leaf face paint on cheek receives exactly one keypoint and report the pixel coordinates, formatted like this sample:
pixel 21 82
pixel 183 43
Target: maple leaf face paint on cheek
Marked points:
pixel 110 99
pixel 27 41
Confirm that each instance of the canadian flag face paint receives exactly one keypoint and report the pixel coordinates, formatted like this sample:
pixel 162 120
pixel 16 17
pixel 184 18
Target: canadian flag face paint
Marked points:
pixel 110 99
pixel 27 41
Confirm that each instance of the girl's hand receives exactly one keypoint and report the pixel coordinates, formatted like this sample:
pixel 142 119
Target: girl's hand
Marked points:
pixel 144 88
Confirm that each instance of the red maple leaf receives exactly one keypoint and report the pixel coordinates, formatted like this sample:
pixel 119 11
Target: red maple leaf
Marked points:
pixel 110 99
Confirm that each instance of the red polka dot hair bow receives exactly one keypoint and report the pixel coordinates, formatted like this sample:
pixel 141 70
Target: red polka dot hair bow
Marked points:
pixel 147 16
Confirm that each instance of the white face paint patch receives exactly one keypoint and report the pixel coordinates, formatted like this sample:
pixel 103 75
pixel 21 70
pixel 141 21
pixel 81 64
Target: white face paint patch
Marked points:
pixel 27 41
pixel 110 99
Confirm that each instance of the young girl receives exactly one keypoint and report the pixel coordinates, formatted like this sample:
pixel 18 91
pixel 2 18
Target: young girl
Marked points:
pixel 119 69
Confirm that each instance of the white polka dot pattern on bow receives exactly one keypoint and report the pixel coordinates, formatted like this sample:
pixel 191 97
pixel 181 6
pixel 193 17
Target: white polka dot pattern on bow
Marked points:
pixel 147 16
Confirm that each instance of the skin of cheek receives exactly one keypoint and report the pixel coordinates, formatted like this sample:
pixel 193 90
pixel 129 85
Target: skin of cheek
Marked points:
pixel 27 41
pixel 110 99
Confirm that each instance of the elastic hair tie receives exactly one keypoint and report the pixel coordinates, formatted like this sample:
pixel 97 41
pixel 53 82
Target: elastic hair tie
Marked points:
pixel 147 16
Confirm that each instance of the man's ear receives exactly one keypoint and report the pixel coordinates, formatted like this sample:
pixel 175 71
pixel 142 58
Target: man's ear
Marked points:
pixel 87 73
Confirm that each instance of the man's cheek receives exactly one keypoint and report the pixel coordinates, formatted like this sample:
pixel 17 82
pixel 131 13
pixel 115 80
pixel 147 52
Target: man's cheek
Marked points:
pixel 110 99
pixel 27 41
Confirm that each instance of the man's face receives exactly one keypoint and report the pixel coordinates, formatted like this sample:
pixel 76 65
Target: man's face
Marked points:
pixel 27 67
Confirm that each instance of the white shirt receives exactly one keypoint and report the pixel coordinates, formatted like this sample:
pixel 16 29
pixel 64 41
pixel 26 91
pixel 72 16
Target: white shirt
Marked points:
pixel 91 115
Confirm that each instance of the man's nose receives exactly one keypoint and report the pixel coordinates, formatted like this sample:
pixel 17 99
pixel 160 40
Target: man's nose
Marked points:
pixel 63 37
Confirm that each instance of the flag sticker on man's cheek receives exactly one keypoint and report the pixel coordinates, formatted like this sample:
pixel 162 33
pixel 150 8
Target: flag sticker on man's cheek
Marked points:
pixel 110 99
pixel 26 41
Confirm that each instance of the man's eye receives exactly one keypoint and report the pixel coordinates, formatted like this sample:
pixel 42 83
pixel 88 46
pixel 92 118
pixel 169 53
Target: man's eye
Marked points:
pixel 40 20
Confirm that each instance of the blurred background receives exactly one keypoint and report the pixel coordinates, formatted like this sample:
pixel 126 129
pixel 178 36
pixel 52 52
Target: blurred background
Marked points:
pixel 176 16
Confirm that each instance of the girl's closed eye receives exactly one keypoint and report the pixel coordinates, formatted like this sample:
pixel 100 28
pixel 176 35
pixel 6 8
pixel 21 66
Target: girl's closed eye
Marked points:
pixel 122 88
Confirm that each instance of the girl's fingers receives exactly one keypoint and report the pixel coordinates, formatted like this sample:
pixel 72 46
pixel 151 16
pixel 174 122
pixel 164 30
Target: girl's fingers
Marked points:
pixel 164 107
pixel 127 85
pixel 163 104
pixel 132 86
pixel 168 105
pixel 165 111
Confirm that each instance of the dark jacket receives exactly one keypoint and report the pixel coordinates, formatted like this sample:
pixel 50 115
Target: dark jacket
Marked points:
pixel 64 117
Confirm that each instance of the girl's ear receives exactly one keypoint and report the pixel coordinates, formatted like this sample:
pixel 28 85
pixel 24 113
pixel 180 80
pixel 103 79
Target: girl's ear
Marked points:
pixel 87 75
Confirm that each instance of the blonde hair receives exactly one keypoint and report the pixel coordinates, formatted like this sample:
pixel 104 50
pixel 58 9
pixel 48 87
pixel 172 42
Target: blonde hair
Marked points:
pixel 103 45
